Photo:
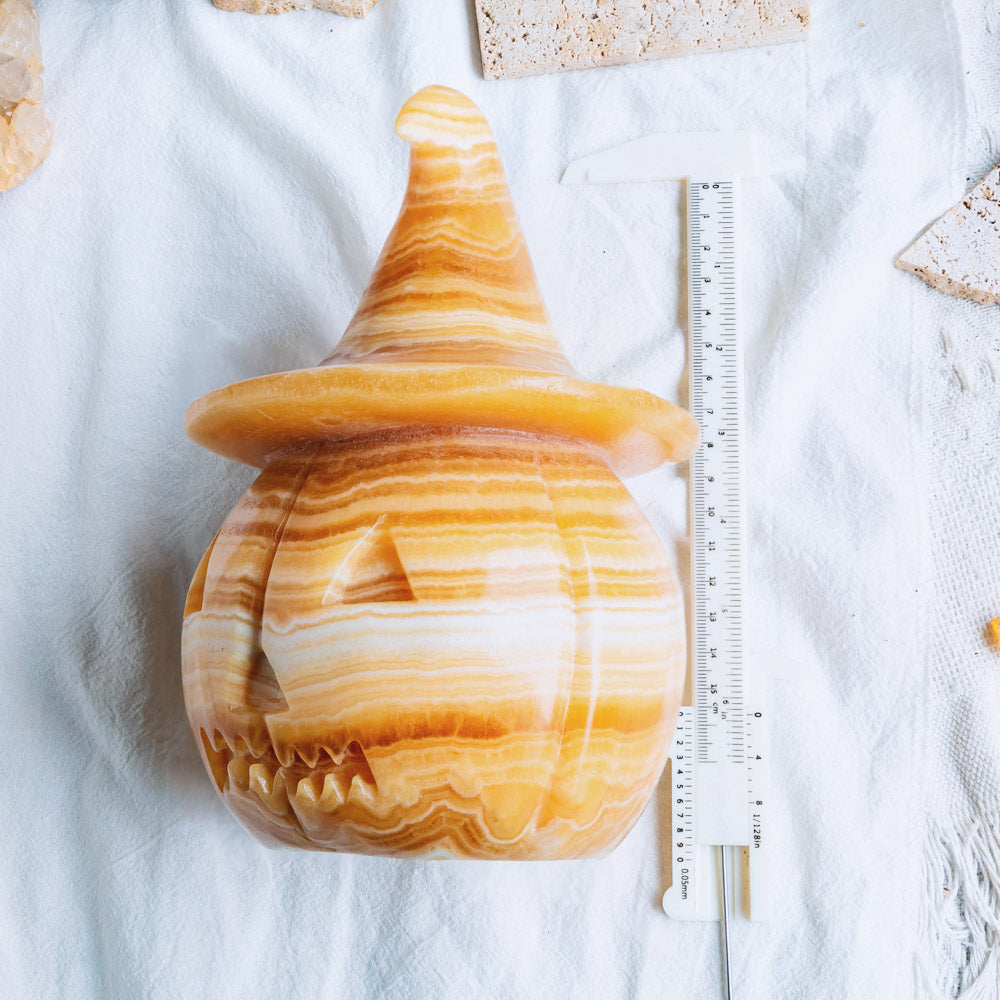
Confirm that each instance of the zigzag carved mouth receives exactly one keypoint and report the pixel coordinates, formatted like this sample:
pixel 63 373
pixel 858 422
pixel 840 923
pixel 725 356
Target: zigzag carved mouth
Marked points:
pixel 322 783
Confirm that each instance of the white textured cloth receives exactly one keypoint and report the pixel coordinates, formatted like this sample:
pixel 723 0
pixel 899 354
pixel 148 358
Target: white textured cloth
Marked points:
pixel 962 930
pixel 218 189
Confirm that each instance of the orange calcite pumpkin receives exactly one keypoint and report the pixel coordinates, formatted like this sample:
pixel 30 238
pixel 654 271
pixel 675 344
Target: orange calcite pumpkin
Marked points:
pixel 437 623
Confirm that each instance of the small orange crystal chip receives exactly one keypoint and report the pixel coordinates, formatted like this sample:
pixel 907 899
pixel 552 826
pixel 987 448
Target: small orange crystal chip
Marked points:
pixel 995 626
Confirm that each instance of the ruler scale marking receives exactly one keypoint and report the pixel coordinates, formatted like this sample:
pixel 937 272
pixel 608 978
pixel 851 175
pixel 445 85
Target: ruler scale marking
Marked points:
pixel 716 366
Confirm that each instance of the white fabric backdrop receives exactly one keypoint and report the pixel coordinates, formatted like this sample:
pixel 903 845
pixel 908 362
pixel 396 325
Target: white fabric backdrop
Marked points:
pixel 218 190
pixel 962 936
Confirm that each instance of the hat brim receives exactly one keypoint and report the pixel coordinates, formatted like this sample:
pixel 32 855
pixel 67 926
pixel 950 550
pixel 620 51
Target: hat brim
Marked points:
pixel 256 419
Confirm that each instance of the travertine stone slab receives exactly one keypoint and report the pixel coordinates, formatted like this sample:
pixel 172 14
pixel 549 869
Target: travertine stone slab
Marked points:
pixel 529 37
pixel 351 8
pixel 960 253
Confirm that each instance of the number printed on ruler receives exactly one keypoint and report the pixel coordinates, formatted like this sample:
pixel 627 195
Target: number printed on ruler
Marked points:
pixel 717 523
pixel 682 810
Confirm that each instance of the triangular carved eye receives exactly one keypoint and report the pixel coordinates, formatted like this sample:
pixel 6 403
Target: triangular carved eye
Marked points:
pixel 372 573
pixel 263 692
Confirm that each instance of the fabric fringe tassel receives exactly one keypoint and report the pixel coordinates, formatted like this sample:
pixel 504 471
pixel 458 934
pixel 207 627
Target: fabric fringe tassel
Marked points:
pixel 960 912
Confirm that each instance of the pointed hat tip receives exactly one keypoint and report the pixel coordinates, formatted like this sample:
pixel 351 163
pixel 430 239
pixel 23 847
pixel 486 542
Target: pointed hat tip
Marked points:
pixel 443 117
pixel 454 283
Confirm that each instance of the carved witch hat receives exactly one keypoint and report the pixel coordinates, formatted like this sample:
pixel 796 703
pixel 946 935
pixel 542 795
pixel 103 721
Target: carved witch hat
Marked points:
pixel 450 331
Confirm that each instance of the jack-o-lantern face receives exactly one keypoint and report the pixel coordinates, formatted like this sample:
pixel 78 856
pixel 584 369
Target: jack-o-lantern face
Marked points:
pixel 437 623
pixel 451 641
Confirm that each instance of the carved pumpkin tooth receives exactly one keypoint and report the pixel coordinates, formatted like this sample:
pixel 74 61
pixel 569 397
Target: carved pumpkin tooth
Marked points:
pixel 261 778
pixel 270 786
pixel 216 757
pixel 327 757
pixel 260 743
pixel 362 791
pixel 216 741
pixel 309 788
pixel 239 773
pixel 438 600
pixel 334 792
pixel 229 743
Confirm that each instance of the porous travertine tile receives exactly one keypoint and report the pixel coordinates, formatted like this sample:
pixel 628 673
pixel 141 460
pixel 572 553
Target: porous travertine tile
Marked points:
pixel 529 37
pixel 960 253
pixel 352 8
